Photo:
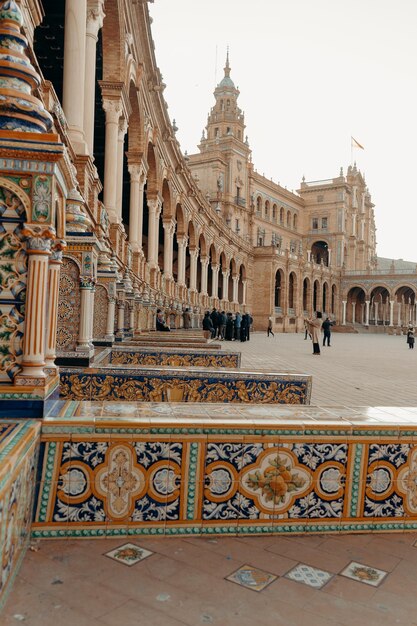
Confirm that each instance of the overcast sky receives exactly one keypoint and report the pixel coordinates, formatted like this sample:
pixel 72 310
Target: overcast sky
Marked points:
pixel 311 73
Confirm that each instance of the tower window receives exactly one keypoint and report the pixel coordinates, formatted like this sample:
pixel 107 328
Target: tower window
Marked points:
pixel 315 223
pixel 216 132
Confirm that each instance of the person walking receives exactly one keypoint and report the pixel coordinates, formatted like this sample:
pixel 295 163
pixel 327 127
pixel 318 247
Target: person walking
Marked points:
pixel 326 327
pixel 314 328
pixel 410 336
pixel 215 315
pixel 222 325
pixel 269 330
pixel 243 327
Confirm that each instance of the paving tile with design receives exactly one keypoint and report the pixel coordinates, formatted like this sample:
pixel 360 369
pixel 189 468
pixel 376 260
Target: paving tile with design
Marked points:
pixel 128 554
pixel 251 577
pixel 364 574
pixel 310 576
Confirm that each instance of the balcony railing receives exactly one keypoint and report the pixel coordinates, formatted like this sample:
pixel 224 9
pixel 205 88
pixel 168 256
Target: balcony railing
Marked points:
pixel 240 201
pixel 379 272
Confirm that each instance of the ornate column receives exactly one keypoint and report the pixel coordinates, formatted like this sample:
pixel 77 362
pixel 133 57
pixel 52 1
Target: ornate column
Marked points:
pixel 74 71
pixel 136 206
pixel 399 313
pixel 169 228
pixel 154 210
pixel 344 312
pixel 55 262
pixel 376 313
pixel 95 16
pixel 193 269
pixel 204 274
pixel 113 110
pixel 182 246
pixel 122 130
pixel 86 314
pixel 33 358
pixel 215 281
pixel 244 288
pixel 111 309
pixel 391 312
pixel 367 303
pixel 120 319
pixel 235 280
pixel 353 312
pixel 225 285
pixel 329 256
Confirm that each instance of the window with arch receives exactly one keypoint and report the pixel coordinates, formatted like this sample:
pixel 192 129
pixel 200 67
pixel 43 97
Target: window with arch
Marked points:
pixel 274 212
pixel 227 105
pixel 288 219
pixel 267 209
pixel 281 215
pixel 258 205
pixel 295 221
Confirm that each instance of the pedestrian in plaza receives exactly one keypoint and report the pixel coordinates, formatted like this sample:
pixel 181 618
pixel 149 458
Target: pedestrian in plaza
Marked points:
pixel 237 322
pixel 222 325
pixel 248 325
pixel 161 324
pixel 208 324
pixel 229 327
pixel 326 327
pixel 215 319
pixel 306 334
pixel 269 330
pixel 314 328
pixel 187 319
pixel 244 327
pixel 410 336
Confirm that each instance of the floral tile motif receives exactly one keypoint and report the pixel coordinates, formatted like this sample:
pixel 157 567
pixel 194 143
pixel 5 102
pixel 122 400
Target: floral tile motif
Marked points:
pixel 364 574
pixel 128 554
pixel 251 577
pixel 310 576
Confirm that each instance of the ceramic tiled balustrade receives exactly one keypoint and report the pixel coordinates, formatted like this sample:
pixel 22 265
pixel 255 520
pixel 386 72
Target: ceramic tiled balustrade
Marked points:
pixel 165 384
pixel 131 469
pixel 19 442
pixel 171 357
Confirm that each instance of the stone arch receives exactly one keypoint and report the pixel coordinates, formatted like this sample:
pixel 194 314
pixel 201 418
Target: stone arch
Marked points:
pixel 292 292
pixel 69 305
pixel 274 212
pixel 307 296
pixel 279 289
pixel 405 304
pixel 259 204
pixel 101 306
pixel 5 183
pixel 320 252
pixel 167 207
pixel 136 127
pixel 333 299
pixel 281 215
pixel 232 272
pixel 295 221
pixel 267 207
pixel 288 219
pixel 355 305
pixel 152 182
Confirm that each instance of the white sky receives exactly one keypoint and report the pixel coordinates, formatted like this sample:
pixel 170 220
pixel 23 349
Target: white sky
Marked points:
pixel 311 73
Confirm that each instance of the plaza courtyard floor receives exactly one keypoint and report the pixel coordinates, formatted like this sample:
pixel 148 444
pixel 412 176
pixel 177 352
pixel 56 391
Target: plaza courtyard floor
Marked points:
pixel 345 580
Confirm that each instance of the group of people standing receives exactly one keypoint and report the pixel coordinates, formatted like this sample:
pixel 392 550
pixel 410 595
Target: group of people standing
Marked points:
pixel 228 326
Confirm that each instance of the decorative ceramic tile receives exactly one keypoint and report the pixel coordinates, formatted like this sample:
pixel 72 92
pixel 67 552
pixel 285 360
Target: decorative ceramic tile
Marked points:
pixel 69 305
pixel 310 576
pixel 128 554
pixel 251 577
pixel 364 574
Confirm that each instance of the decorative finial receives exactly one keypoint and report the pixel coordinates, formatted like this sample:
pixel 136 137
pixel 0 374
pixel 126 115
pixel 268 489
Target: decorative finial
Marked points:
pixel 341 172
pixel 174 126
pixel 227 66
pixel 20 110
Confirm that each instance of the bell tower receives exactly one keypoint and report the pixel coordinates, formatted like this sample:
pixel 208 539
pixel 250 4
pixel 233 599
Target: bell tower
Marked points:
pixel 221 168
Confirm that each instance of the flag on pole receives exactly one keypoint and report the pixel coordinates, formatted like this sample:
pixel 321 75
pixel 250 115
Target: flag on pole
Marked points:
pixel 356 144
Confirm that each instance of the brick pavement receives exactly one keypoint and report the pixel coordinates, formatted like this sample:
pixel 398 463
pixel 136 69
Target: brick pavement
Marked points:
pixel 358 370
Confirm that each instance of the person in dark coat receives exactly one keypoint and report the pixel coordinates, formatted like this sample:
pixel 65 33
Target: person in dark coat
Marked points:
pixel 244 327
pixel 187 319
pixel 229 327
pixel 160 322
pixel 410 336
pixel 222 325
pixel 326 328
pixel 215 320
pixel 208 324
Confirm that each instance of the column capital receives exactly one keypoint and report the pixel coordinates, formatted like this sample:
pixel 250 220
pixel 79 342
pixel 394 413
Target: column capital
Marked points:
pixel 194 252
pixel 204 260
pixel 169 225
pixel 182 240
pixel 86 282
pixel 226 273
pixel 95 17
pixel 154 205
pixel 135 170
pixel 113 110
pixel 39 239
pixel 123 125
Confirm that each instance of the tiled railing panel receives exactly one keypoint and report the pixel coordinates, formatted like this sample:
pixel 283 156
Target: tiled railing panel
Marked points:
pixel 18 460
pixel 184 385
pixel 255 470
pixel 171 358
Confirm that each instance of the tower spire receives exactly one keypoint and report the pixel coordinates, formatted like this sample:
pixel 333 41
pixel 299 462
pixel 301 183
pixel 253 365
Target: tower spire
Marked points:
pixel 227 66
